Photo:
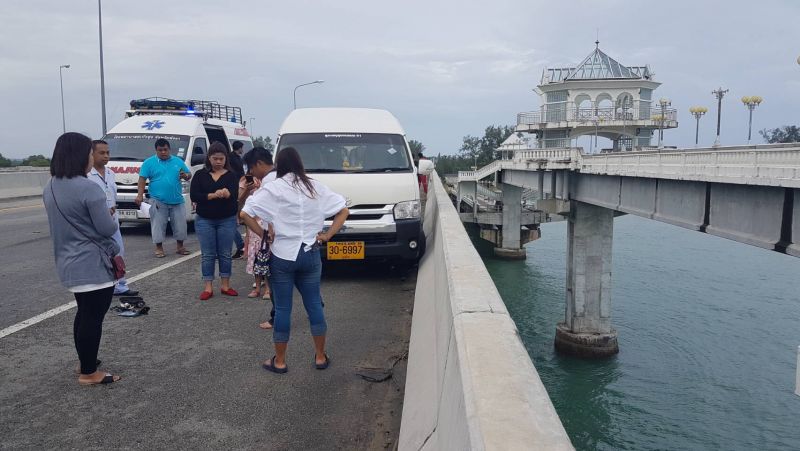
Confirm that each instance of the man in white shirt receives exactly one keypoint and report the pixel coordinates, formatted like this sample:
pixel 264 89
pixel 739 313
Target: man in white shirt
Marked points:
pixel 104 178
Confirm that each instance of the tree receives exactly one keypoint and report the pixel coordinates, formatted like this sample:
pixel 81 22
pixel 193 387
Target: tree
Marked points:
pixel 36 160
pixel 481 150
pixel 416 147
pixel 785 134
pixel 5 162
pixel 265 142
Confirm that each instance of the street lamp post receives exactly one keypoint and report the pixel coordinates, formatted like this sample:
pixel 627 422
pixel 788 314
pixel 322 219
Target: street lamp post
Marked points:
pixel 294 96
pixel 664 102
pixel 697 112
pixel 250 123
pixel 751 102
pixel 102 76
pixel 719 93
pixel 61 82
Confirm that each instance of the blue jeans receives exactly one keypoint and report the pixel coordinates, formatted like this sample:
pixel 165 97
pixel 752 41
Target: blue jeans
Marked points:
pixel 238 240
pixel 303 273
pixel 161 214
pixel 216 238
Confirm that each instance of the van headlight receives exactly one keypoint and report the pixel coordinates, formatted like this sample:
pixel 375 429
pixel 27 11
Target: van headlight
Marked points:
pixel 407 210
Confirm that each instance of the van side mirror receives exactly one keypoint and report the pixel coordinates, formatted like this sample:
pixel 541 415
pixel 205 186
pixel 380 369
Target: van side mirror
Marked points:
pixel 425 167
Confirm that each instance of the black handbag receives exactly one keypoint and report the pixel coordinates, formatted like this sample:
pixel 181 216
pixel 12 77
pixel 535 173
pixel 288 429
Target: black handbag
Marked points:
pixel 262 257
pixel 117 263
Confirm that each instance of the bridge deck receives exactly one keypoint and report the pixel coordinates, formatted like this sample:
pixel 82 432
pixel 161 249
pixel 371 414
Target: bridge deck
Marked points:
pixel 192 375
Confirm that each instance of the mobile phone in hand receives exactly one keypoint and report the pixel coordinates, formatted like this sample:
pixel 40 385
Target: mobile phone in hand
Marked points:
pixel 248 179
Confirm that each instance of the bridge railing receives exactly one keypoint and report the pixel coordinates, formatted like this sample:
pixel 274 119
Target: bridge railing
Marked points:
pixel 768 166
pixel 591 115
pixel 470 383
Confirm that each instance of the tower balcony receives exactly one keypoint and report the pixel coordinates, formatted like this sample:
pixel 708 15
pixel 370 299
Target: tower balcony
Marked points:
pixel 570 118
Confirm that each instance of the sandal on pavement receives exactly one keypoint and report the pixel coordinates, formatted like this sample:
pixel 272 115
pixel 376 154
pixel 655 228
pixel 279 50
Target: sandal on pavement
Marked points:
pixel 183 251
pixel 160 254
pixel 206 295
pixel 271 367
pixel 266 297
pixel 108 379
pixel 265 325
pixel 324 365
pixel 253 294
pixel 229 292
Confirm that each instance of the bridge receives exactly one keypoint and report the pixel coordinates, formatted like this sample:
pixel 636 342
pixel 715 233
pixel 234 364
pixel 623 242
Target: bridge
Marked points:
pixel 424 360
pixel 750 194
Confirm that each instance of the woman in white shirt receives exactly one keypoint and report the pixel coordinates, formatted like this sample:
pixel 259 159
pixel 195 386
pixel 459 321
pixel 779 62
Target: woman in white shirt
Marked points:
pixel 296 206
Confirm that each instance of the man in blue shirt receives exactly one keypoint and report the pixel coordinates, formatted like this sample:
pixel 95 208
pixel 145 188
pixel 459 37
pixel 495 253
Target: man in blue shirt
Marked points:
pixel 165 173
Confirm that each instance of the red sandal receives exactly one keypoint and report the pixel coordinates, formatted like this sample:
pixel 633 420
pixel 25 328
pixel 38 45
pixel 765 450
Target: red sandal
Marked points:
pixel 229 292
pixel 206 295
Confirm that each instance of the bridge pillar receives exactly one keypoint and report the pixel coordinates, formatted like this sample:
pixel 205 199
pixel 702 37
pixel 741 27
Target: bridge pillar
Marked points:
pixel 586 330
pixel 510 245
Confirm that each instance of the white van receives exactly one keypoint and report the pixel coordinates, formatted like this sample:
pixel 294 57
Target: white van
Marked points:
pixel 363 155
pixel 190 126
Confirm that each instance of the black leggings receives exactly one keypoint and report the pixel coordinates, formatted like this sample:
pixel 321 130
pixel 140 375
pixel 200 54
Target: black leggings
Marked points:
pixel 88 327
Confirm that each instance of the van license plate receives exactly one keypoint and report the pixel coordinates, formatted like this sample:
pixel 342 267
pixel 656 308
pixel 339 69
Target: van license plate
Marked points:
pixel 346 250
pixel 127 214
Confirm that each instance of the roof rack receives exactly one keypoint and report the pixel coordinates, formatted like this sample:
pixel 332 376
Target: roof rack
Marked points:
pixel 207 109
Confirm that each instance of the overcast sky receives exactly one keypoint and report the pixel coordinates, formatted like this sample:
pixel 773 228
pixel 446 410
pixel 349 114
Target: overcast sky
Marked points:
pixel 444 68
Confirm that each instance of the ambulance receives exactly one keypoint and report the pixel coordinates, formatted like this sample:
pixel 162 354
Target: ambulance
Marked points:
pixel 190 126
pixel 363 154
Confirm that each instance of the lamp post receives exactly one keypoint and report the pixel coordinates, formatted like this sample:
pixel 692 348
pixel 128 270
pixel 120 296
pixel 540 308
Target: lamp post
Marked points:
pixel 250 123
pixel 697 112
pixel 751 102
pixel 596 121
pixel 61 82
pixel 664 102
pixel 719 93
pixel 102 76
pixel 294 96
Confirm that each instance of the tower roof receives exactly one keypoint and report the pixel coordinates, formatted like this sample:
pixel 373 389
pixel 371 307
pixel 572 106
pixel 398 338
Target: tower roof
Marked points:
pixel 596 66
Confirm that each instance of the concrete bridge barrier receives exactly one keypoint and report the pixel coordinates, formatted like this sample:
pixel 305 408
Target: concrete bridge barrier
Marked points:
pixel 23 182
pixel 470 383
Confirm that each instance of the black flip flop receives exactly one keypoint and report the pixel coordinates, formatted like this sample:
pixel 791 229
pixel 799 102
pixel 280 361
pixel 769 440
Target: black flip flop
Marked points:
pixel 107 379
pixel 322 366
pixel 271 367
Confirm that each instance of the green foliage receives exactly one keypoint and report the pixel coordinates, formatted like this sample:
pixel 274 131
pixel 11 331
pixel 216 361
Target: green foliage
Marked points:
pixel 785 134
pixel 5 162
pixel 451 164
pixel 416 147
pixel 36 160
pixel 481 150
pixel 265 142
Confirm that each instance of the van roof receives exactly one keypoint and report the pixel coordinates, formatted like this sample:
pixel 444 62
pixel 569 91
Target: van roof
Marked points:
pixel 176 125
pixel 329 120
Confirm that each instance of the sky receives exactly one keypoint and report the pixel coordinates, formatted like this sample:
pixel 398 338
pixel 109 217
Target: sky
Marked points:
pixel 445 68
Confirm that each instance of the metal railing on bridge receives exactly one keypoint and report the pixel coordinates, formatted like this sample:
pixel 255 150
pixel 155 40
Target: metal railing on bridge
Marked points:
pixel 591 115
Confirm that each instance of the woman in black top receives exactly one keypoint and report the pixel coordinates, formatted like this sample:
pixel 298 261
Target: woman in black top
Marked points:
pixel 215 190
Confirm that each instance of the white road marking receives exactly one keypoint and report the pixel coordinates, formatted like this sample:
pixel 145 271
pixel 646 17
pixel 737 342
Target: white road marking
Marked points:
pixel 70 305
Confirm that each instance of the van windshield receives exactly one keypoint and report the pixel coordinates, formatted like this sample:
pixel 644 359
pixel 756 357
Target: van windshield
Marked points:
pixel 349 152
pixel 141 146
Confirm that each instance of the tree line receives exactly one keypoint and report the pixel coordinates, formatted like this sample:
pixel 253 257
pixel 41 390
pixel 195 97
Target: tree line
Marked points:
pixel 33 160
